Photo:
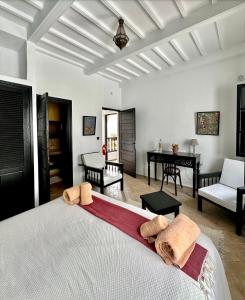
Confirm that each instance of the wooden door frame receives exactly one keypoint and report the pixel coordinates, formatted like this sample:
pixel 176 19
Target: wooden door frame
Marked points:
pixel 125 110
pixel 42 183
pixel 116 113
pixel 118 127
pixel 119 130
pixel 69 114
pixel 238 120
pixel 68 104
pixel 106 156
pixel 113 109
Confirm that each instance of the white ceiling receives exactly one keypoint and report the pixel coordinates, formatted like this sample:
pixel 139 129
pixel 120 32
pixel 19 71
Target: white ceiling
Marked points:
pixel 163 34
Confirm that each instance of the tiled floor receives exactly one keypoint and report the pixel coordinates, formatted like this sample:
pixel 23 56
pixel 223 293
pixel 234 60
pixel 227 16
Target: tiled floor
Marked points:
pixel 212 216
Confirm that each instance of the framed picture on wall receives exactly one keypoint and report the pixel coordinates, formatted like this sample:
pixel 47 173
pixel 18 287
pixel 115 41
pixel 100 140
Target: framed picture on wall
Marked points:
pixel 207 123
pixel 89 125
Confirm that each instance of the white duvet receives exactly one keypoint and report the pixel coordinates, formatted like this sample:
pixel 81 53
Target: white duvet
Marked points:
pixel 57 251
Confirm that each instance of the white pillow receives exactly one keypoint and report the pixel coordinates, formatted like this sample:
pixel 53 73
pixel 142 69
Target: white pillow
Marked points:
pixel 233 173
pixel 94 160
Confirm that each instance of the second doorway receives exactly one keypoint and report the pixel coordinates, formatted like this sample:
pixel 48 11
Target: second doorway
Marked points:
pixel 111 134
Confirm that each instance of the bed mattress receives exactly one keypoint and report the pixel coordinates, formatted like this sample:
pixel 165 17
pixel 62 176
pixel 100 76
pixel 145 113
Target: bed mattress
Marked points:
pixel 57 251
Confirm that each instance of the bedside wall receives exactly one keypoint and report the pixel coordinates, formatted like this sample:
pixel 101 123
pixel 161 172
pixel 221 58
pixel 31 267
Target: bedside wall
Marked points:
pixel 166 107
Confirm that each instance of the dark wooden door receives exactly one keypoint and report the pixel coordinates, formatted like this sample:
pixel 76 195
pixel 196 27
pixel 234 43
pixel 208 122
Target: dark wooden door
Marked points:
pixel 240 133
pixel 106 137
pixel 46 161
pixel 67 160
pixel 16 159
pixel 127 137
pixel 43 163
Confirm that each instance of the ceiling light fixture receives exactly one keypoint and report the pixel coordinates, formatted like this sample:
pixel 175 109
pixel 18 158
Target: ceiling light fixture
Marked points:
pixel 121 39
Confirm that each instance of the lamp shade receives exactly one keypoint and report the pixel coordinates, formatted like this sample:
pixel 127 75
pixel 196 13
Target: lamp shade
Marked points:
pixel 194 142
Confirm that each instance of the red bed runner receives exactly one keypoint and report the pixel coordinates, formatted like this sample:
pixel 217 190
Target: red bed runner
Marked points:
pixel 129 222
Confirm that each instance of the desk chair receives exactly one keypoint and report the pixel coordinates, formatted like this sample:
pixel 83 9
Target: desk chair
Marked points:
pixel 170 169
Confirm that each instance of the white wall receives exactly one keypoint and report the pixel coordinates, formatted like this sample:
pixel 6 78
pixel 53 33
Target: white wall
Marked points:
pixel 13 63
pixel 88 94
pixel 166 107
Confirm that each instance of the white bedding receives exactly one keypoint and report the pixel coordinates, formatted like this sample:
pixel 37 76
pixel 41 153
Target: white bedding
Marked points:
pixel 57 251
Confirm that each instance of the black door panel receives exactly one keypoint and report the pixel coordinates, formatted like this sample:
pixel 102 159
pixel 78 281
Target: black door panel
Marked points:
pixel 16 163
pixel 127 141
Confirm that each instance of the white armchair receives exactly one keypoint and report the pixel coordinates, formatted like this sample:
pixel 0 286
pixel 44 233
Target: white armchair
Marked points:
pixel 225 189
pixel 101 173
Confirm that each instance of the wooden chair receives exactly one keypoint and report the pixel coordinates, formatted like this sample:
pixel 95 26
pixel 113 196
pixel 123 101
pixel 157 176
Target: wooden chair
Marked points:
pixel 101 173
pixel 170 169
pixel 225 189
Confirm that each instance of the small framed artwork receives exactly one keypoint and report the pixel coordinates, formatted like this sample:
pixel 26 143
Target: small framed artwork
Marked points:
pixel 208 123
pixel 89 125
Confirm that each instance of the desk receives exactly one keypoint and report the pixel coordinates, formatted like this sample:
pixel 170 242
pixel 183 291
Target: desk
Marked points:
pixel 182 159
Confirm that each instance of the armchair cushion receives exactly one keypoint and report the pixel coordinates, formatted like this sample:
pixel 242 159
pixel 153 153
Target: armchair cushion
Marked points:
pixel 220 194
pixel 110 177
pixel 232 173
pixel 94 160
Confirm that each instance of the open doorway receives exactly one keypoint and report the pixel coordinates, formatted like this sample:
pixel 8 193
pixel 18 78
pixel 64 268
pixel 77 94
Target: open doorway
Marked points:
pixel 119 135
pixel 110 132
pixel 54 146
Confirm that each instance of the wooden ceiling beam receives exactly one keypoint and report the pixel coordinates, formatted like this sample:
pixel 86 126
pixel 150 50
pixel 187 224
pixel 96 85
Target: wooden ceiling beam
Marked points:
pixel 36 3
pixel 119 14
pixel 66 50
pixel 151 13
pixel 149 61
pixel 179 4
pixel 68 23
pixel 16 12
pixel 137 66
pixel 90 17
pixel 219 35
pixel 179 50
pixel 202 16
pixel 74 42
pixel 107 76
pixel 51 11
pixel 198 42
pixel 118 73
pixel 58 56
pixel 127 70
pixel 163 56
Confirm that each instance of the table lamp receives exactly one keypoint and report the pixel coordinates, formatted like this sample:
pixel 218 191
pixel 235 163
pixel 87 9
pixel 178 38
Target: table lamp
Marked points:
pixel 194 143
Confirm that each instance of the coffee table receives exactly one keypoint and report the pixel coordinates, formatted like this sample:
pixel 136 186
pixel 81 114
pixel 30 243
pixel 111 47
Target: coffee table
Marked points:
pixel 160 203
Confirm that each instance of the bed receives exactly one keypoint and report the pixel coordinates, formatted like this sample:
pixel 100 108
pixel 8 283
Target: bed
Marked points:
pixel 57 251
